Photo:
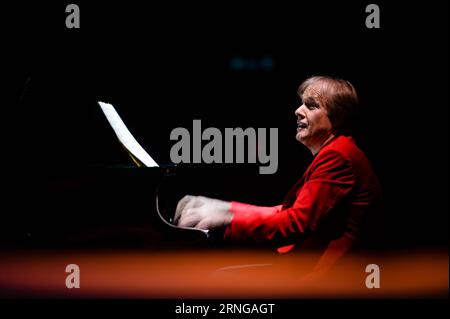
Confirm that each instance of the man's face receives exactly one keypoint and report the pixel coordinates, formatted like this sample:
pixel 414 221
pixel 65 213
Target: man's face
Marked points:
pixel 313 124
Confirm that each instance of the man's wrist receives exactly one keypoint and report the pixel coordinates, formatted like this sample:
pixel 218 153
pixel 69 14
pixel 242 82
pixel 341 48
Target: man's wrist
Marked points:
pixel 228 214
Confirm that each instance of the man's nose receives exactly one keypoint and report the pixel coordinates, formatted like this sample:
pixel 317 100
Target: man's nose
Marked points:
pixel 299 112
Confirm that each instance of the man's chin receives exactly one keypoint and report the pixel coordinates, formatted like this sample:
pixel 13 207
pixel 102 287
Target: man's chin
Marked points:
pixel 300 138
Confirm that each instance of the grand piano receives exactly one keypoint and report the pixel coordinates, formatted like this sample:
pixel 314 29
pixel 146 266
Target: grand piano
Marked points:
pixel 70 183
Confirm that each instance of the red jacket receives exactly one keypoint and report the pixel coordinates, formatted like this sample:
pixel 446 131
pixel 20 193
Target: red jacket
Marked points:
pixel 323 209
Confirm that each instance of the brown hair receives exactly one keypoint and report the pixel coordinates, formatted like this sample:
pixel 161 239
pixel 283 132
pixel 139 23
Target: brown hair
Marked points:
pixel 339 98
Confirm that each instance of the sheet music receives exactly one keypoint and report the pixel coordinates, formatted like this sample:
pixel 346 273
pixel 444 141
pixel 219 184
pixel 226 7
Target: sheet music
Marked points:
pixel 124 135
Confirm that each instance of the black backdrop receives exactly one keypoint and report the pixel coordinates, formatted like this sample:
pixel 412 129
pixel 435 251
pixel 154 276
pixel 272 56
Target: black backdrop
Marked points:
pixel 234 65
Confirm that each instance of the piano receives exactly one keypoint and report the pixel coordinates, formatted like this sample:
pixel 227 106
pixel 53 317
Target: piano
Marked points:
pixel 113 206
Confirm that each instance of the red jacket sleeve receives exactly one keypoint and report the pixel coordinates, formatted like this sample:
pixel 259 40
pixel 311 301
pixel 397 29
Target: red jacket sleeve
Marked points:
pixel 331 179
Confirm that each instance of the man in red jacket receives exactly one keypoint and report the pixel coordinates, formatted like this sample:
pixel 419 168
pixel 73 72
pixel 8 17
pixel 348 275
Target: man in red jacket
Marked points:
pixel 325 208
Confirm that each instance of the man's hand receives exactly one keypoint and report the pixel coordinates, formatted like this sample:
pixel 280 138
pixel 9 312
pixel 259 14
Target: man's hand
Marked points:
pixel 202 212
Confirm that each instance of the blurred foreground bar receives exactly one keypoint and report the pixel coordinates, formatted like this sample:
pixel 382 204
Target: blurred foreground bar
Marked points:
pixel 221 274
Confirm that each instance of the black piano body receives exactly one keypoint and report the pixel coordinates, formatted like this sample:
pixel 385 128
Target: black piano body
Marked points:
pixel 116 207
pixel 103 207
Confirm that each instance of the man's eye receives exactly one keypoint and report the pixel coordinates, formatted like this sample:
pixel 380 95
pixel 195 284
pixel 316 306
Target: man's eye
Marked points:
pixel 311 105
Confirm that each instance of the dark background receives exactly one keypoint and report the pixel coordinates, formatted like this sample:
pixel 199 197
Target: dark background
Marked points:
pixel 231 64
